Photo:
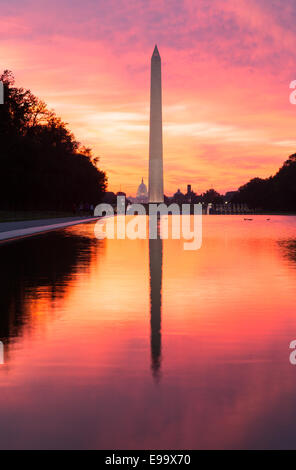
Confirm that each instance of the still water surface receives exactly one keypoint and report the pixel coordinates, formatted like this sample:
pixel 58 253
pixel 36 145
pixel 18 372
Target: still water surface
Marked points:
pixel 121 344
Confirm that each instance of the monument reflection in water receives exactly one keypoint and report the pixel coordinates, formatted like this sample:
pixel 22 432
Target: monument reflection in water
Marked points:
pixel 155 269
pixel 132 344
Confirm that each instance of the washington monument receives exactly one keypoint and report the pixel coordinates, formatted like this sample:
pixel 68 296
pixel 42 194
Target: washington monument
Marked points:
pixel 155 135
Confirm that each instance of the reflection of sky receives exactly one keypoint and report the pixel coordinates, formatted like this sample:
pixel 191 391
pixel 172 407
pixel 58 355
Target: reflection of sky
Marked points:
pixel 226 73
pixel 79 372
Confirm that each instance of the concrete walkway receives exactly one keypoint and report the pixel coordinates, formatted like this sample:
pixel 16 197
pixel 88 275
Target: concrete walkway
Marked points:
pixel 10 231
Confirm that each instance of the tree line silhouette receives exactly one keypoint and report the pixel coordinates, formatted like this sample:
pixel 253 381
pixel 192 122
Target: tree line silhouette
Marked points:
pixel 42 164
pixel 275 194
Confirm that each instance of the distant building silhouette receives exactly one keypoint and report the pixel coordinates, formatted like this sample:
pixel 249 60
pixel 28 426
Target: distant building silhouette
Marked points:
pixel 179 197
pixel 142 193
pixel 190 195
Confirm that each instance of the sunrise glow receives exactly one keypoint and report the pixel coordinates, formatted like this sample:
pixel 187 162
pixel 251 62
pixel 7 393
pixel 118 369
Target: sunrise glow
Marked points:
pixel 226 74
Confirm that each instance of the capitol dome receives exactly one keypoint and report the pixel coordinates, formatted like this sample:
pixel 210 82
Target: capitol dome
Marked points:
pixel 142 193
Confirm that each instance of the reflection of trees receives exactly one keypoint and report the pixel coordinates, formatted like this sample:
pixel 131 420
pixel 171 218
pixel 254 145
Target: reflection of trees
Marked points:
pixel 45 261
pixel 288 249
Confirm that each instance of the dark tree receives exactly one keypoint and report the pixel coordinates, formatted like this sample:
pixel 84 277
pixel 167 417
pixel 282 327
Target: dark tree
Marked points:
pixel 256 193
pixel 212 197
pixel 277 193
pixel 42 165
pixel 284 185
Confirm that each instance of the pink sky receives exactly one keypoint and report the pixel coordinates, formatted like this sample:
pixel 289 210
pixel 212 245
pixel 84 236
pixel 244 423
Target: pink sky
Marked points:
pixel 226 70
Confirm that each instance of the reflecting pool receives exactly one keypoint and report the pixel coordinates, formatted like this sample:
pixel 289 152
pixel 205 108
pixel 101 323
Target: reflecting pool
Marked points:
pixel 138 344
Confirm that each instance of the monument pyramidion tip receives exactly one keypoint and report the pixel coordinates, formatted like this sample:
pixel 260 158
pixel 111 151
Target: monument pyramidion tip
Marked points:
pixel 156 52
